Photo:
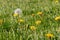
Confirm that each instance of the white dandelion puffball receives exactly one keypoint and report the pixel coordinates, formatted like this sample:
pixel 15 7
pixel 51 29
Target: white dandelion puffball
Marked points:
pixel 19 11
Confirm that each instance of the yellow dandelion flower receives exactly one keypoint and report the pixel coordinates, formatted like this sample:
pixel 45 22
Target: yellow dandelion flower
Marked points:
pixel 49 35
pixel 32 28
pixel 20 20
pixel 57 18
pixel 15 14
pixel 1 21
pixel 33 14
pixel 56 1
pixel 39 13
pixel 38 22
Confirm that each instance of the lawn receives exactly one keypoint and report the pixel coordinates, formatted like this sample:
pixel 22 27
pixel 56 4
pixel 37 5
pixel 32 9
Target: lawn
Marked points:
pixel 39 20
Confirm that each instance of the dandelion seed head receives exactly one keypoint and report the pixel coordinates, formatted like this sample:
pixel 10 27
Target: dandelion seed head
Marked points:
pixel 19 11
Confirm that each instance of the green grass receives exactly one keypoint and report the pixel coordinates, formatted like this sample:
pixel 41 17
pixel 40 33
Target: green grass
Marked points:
pixel 10 29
